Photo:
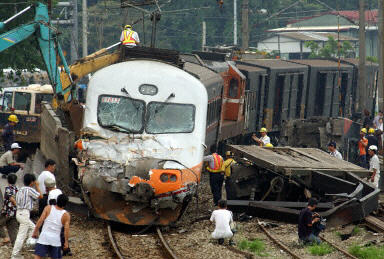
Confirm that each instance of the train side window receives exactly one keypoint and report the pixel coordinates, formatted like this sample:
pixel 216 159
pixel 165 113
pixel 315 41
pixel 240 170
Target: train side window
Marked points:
pixel 7 101
pixel 319 98
pixel 299 95
pixel 218 109
pixel 209 114
pixel 22 101
pixel 233 88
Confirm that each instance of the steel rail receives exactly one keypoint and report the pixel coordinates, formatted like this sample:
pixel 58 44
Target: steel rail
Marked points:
pixel 338 248
pixel 285 248
pixel 113 243
pixel 170 253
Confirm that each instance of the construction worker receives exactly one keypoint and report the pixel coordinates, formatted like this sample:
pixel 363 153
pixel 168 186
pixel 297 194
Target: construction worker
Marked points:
pixel 264 138
pixel 229 161
pixel 333 151
pixel 362 145
pixel 129 37
pixel 216 175
pixel 8 135
pixel 372 140
pixel 374 166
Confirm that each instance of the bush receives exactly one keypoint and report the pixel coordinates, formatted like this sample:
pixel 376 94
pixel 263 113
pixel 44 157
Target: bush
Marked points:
pixel 370 252
pixel 320 250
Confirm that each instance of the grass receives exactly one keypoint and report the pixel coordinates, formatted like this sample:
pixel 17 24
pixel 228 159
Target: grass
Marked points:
pixel 256 246
pixel 356 230
pixel 370 252
pixel 320 250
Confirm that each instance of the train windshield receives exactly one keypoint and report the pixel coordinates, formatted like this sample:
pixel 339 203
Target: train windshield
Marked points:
pixel 169 118
pixel 121 113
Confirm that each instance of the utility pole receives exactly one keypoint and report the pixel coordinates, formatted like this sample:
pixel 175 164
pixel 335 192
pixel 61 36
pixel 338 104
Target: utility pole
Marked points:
pixel 235 22
pixel 85 29
pixel 204 39
pixel 362 84
pixel 380 84
pixel 244 25
pixel 75 33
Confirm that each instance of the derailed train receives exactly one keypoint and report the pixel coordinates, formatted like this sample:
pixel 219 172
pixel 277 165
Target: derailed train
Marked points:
pixel 149 119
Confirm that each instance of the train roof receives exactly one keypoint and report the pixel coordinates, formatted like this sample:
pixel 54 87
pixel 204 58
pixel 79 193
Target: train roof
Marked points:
pixel 326 63
pixel 204 74
pixel 251 68
pixel 355 61
pixel 274 64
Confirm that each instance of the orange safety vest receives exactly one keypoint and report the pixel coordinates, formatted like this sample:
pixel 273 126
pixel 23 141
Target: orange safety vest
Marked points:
pixel 218 164
pixel 128 39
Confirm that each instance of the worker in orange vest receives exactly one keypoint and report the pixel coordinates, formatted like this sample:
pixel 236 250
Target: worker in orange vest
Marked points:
pixel 129 37
pixel 216 175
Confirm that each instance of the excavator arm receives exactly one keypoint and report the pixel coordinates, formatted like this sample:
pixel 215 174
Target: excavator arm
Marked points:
pixel 48 42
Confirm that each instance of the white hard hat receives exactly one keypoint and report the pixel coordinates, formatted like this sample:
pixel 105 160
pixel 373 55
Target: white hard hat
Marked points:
pixel 15 145
pixel 49 182
pixel 373 147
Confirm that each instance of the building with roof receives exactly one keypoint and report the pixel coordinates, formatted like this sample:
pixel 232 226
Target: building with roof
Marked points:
pixel 347 22
pixel 291 45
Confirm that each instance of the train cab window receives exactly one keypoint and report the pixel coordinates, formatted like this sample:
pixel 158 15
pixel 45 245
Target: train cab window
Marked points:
pixel 158 118
pixel 233 88
pixel 42 98
pixel 22 101
pixel 7 101
pixel 120 113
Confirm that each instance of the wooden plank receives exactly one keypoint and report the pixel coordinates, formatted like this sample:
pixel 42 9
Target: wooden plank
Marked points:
pixel 295 160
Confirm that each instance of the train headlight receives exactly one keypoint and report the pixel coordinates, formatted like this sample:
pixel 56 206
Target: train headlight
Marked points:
pixel 148 89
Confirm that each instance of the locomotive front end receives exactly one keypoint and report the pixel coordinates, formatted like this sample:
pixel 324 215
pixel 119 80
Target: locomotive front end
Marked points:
pixel 142 142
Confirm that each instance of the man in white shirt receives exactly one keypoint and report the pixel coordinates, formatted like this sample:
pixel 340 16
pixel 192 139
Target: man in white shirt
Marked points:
pixel 222 219
pixel 129 37
pixel 264 138
pixel 374 166
pixel 50 167
pixel 333 151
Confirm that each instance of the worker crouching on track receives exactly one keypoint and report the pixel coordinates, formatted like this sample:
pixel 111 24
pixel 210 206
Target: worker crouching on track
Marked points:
pixel 264 138
pixel 223 220
pixel 8 162
pixel 310 224
pixel 374 166
pixel 216 175
pixel 8 135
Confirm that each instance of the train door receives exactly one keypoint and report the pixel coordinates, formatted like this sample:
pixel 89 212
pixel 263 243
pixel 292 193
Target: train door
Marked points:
pixel 234 94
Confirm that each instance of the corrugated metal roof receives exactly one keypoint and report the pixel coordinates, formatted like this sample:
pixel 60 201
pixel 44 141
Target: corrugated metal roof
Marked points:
pixel 275 63
pixel 321 63
pixel 315 36
pixel 355 61
pixel 315 28
pixel 371 16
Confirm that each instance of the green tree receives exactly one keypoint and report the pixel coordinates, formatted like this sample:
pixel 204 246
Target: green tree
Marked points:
pixel 330 49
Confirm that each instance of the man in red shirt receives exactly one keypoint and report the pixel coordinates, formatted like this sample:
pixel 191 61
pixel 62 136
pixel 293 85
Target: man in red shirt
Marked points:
pixel 362 144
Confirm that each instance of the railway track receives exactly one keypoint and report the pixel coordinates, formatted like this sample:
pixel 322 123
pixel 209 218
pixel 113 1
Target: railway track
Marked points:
pixel 165 250
pixel 292 253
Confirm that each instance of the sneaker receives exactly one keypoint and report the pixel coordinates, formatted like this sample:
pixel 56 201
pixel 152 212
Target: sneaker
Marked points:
pixel 221 241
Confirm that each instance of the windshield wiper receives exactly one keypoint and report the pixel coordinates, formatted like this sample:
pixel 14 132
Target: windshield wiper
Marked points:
pixel 118 127
pixel 172 95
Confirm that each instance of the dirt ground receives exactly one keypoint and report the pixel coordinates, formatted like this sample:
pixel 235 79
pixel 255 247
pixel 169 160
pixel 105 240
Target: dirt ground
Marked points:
pixel 191 239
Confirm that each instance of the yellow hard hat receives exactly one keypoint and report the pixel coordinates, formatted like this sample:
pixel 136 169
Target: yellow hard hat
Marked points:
pixel 127 27
pixel 263 130
pixel 371 130
pixel 364 130
pixel 13 118
pixel 228 153
pixel 268 145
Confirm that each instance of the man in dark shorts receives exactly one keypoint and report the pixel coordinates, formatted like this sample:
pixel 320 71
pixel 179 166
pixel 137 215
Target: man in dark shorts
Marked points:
pixel 54 218
pixel 306 220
